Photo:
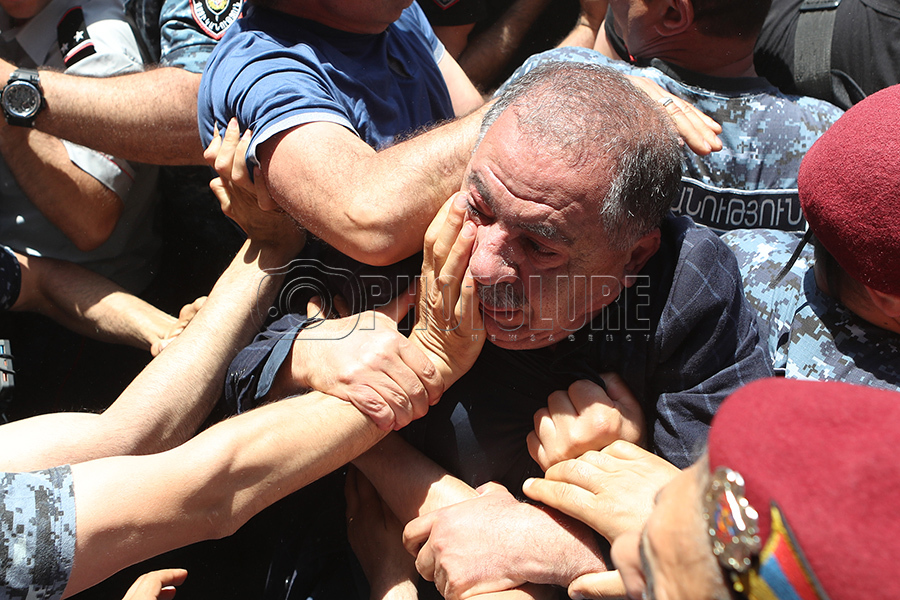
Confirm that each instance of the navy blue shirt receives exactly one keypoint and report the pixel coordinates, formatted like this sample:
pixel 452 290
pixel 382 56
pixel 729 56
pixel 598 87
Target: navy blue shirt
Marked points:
pixel 274 72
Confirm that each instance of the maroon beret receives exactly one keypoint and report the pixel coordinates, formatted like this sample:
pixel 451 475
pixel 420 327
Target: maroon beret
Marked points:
pixel 825 455
pixel 850 190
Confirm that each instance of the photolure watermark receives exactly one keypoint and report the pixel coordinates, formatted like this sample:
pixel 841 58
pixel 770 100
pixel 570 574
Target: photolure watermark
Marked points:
pixel 560 304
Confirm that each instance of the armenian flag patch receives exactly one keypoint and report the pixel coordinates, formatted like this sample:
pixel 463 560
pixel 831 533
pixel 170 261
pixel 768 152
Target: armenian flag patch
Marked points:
pixel 783 573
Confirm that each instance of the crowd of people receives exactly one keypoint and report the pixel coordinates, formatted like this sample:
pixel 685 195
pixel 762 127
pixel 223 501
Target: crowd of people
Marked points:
pixel 520 299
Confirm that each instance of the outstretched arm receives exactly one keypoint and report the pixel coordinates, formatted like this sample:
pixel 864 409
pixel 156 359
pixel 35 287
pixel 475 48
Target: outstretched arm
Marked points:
pixel 88 303
pixel 148 117
pixel 372 206
pixel 216 481
pixel 131 508
pixel 169 399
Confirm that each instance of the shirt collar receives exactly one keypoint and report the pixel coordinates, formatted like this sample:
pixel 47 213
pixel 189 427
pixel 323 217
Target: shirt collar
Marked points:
pixel 38 36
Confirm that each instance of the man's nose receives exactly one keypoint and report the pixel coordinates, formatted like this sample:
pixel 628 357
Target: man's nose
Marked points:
pixel 493 259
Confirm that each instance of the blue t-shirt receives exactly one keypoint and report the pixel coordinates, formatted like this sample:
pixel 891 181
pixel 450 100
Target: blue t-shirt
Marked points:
pixel 752 181
pixel 274 72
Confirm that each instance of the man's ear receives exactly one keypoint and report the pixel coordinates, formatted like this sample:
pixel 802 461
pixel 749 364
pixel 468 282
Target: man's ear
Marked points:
pixel 889 304
pixel 678 17
pixel 640 253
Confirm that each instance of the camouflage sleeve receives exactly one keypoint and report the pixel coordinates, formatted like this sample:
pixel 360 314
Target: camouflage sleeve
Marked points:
pixel 37 533
pixel 190 29
pixel 761 255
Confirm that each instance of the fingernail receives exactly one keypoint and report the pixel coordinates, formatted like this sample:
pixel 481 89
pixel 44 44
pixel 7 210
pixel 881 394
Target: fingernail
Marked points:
pixel 232 124
pixel 460 200
pixel 527 483
pixel 468 230
pixel 216 129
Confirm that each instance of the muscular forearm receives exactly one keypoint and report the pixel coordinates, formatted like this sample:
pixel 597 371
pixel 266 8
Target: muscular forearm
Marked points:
pixel 84 209
pixel 486 54
pixel 409 482
pixel 148 117
pixel 132 508
pixel 372 206
pixel 166 403
pixel 88 303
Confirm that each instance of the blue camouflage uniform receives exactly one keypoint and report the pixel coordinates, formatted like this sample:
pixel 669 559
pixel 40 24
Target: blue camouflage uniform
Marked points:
pixel 810 335
pixel 37 533
pixel 182 33
pixel 752 181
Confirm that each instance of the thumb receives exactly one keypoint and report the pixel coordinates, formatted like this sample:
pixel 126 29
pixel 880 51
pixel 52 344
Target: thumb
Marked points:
pixel 604 586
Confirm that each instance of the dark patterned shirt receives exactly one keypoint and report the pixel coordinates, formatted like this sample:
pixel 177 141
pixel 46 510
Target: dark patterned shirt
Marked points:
pixel 810 335
pixel 37 533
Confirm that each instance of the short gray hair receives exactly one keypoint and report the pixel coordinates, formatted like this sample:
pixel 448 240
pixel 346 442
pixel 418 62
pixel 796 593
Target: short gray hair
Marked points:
pixel 595 117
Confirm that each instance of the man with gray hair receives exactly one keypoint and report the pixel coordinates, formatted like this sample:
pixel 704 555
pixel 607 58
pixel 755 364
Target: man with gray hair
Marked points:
pixel 631 321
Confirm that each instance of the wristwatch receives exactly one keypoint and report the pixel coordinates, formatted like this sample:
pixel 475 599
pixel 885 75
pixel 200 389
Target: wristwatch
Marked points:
pixel 22 98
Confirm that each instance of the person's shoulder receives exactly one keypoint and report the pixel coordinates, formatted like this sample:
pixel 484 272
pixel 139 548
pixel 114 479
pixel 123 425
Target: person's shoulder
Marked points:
pixel 702 257
pixel 755 246
pixel 412 17
pixel 693 241
pixel 574 54
pixel 802 109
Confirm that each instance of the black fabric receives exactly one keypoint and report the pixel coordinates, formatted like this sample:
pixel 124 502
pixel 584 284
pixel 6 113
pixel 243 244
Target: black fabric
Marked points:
pixel 865 47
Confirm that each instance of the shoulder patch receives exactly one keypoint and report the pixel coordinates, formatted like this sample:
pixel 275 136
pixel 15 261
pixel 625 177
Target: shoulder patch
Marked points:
pixel 72 35
pixel 215 16
pixel 724 209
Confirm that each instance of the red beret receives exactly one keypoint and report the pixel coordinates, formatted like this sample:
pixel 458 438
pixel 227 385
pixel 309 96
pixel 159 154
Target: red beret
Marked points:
pixel 850 190
pixel 825 454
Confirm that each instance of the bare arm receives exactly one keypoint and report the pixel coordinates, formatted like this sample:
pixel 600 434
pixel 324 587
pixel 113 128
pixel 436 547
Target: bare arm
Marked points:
pixel 135 507
pixel 131 508
pixel 88 303
pixel 488 53
pixel 148 117
pixel 372 206
pixel 169 399
pixel 587 29
pixel 84 209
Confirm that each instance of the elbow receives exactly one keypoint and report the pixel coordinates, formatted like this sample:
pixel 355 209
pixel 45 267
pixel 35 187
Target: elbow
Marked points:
pixel 91 234
pixel 381 254
pixel 379 240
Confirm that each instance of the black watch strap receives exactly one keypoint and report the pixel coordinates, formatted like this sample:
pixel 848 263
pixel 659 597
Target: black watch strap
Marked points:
pixel 31 81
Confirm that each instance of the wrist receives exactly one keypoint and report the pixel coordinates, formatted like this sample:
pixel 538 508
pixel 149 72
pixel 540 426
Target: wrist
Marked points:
pixel 563 549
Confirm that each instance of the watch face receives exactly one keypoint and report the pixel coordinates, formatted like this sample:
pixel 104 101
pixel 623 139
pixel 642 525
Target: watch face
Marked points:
pixel 21 99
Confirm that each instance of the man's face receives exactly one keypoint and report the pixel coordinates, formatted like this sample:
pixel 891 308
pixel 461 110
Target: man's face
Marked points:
pixel 541 260
pixel 672 559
